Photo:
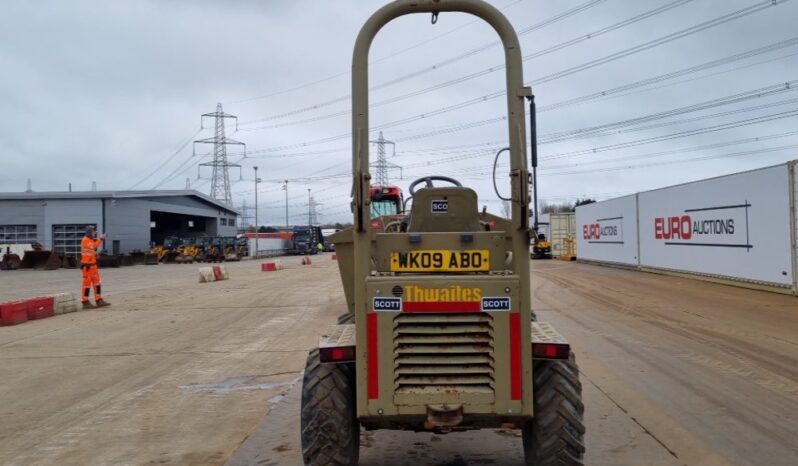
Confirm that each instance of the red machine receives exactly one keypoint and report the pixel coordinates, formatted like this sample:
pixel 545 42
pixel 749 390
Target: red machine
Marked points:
pixel 386 200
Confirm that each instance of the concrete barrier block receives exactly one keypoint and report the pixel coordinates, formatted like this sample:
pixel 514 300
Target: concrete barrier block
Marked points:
pixel 65 303
pixel 40 307
pixel 13 313
pixel 205 274
pixel 272 266
pixel 306 260
pixel 213 274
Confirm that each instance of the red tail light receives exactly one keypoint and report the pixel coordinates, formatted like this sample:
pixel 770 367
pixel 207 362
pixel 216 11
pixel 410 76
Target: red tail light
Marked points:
pixel 550 351
pixel 337 354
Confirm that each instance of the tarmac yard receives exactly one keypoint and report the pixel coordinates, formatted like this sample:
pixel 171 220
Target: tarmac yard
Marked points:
pixel 674 371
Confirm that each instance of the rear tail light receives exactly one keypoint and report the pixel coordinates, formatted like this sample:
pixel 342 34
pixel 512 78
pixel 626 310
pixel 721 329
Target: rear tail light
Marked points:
pixel 337 354
pixel 550 351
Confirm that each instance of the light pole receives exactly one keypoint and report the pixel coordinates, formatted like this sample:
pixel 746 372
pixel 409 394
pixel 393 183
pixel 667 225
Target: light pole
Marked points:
pixel 257 180
pixel 309 207
pixel 285 188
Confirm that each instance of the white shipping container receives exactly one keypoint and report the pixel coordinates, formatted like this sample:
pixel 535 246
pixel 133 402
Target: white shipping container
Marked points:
pixel 543 224
pixel 607 231
pixel 735 226
pixel 268 246
pixel 561 225
pixel 794 214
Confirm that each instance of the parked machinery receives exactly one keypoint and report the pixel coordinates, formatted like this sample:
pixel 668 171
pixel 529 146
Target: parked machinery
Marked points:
pixel 213 250
pixel 229 248
pixel 242 246
pixel 305 240
pixel 541 247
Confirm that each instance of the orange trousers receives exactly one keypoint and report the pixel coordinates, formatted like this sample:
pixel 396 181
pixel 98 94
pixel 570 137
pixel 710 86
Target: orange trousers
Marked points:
pixel 91 276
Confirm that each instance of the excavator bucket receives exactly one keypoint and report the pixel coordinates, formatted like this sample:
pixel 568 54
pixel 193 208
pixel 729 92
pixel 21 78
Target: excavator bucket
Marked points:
pixel 107 260
pixel 171 257
pixel 69 262
pixel 139 258
pixel 40 260
pixel 10 262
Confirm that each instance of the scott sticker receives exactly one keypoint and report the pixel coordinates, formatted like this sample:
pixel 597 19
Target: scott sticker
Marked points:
pixel 388 304
pixel 440 206
pixel 495 304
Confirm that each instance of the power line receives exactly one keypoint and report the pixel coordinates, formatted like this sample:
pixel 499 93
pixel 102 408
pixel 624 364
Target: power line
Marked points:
pixel 605 128
pixel 762 92
pixel 176 172
pixel 662 40
pixel 346 72
pixel 546 22
pixel 674 74
pixel 680 134
pixel 167 160
pixel 460 79
pixel 676 162
pixel 610 92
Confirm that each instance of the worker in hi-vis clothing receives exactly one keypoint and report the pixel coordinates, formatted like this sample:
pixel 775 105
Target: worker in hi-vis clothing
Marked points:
pixel 88 265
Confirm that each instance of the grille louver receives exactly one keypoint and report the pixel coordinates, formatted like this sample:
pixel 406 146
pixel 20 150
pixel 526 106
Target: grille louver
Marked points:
pixel 443 353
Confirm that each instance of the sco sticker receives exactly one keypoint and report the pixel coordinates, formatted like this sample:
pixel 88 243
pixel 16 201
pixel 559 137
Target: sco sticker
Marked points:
pixel 440 206
pixel 388 304
pixel 495 304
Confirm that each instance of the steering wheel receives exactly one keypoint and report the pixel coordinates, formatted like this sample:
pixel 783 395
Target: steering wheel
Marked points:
pixel 427 180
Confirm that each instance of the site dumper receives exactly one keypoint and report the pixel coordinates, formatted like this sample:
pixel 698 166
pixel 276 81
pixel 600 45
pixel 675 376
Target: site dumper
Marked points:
pixel 439 335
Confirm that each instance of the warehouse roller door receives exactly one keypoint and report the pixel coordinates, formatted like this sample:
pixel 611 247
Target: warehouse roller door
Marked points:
pixel 67 238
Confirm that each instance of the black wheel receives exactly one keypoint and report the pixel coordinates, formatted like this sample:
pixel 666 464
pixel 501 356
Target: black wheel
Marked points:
pixel 329 427
pixel 556 435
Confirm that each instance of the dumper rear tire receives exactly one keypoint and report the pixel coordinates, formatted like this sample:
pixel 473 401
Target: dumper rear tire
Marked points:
pixel 556 434
pixel 330 430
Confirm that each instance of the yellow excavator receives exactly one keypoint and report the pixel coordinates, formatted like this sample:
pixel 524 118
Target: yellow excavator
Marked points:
pixel 541 248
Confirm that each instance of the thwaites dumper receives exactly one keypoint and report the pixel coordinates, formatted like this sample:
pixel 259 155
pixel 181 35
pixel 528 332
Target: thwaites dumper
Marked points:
pixel 439 334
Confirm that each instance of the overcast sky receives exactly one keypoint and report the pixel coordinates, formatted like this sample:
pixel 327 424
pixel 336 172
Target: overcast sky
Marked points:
pixel 108 91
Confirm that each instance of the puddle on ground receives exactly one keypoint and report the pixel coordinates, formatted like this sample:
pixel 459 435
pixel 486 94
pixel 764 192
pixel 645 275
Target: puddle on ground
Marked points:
pixel 239 383
pixel 277 398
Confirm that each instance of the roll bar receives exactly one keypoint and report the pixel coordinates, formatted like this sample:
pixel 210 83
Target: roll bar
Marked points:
pixel 516 92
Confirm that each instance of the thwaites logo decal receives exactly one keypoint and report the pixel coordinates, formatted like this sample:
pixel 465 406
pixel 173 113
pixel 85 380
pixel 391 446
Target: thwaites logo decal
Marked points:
pixel 440 206
pixel 604 231
pixel 495 303
pixel 724 226
pixel 415 293
pixel 388 304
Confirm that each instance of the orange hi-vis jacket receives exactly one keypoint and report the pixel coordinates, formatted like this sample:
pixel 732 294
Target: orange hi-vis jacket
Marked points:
pixel 88 250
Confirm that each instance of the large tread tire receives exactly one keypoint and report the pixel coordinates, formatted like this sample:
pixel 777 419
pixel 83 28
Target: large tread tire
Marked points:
pixel 330 430
pixel 556 434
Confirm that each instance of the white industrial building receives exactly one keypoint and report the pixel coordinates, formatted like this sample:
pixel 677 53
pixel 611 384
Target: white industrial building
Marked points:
pixel 133 220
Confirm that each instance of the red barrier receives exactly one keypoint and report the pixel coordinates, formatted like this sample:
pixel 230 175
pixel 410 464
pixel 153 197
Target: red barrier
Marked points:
pixel 217 273
pixel 14 312
pixel 334 257
pixel 41 307
pixel 268 267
